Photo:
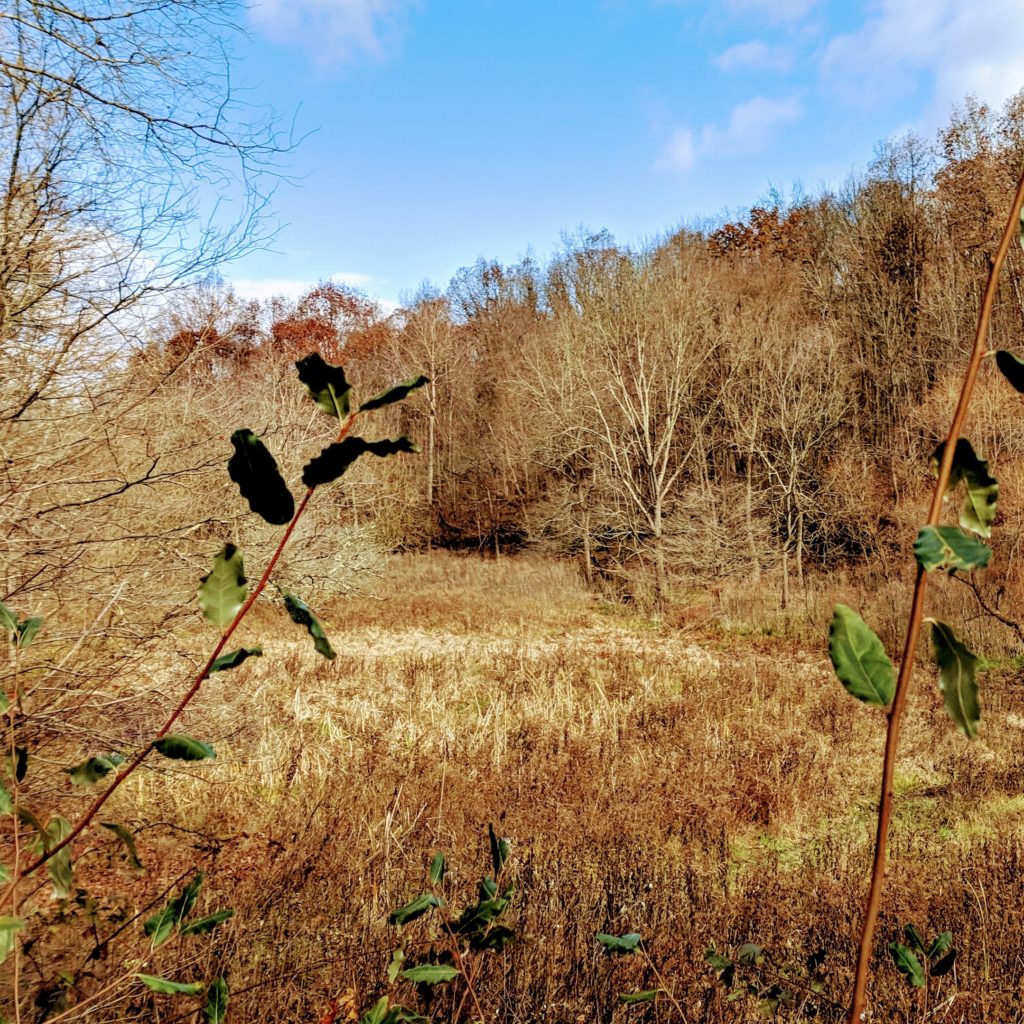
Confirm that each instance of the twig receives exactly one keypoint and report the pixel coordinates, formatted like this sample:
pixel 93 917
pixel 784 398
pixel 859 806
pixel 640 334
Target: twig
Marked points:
pixel 1017 627
pixel 197 682
pixel 917 613
pixel 663 985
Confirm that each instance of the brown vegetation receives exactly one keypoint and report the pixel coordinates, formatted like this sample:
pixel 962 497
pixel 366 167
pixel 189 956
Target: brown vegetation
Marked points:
pixel 701 782
pixel 715 437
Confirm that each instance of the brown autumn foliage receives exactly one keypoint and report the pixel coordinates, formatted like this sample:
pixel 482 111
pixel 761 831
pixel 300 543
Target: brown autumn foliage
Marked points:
pixel 730 429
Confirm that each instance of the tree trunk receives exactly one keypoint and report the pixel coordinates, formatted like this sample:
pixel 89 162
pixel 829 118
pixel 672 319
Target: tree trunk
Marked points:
pixel 755 555
pixel 660 573
pixel 588 566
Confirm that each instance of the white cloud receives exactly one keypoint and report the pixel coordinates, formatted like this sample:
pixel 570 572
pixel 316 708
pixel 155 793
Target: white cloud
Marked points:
pixel 680 153
pixel 754 55
pixel 294 288
pixel 750 128
pixel 334 31
pixel 773 10
pixel 956 46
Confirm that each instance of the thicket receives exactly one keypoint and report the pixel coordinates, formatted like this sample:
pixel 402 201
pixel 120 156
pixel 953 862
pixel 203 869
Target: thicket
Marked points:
pixel 755 399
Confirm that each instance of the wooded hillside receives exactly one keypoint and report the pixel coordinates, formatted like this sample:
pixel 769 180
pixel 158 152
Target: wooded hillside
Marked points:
pixel 753 399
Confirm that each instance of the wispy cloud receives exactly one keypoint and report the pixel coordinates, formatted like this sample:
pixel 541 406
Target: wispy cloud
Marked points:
pixel 293 287
pixel 755 55
pixel 947 47
pixel 333 31
pixel 750 128
pixel 773 10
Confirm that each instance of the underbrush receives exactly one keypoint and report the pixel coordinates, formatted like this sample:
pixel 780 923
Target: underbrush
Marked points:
pixel 698 779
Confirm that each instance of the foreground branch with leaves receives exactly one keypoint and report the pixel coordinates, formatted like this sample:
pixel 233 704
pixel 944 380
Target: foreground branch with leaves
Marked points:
pixel 858 656
pixel 224 600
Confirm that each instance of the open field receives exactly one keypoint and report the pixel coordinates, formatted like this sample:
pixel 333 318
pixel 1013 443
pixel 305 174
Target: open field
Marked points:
pixel 696 782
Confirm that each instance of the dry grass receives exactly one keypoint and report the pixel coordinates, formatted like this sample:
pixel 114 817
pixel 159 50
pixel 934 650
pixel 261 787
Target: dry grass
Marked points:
pixel 700 780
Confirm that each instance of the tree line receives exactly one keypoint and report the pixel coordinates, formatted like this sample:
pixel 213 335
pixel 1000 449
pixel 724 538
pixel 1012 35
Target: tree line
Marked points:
pixel 752 398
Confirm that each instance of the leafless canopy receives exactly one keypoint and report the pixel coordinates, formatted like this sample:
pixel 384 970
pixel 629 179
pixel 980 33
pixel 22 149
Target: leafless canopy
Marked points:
pixel 126 165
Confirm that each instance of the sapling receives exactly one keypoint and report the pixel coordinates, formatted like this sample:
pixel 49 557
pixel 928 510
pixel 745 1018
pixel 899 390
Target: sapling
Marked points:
pixel 224 598
pixel 453 947
pixel 858 656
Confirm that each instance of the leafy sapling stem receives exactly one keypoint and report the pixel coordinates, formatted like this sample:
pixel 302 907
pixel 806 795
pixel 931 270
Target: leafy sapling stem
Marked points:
pixel 1008 365
pixel 133 764
pixel 255 470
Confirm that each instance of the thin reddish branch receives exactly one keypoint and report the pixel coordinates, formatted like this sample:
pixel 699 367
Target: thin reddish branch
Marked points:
pixel 197 683
pixel 1010 232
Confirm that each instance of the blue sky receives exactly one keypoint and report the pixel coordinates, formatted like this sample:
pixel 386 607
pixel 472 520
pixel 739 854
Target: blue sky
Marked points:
pixel 438 131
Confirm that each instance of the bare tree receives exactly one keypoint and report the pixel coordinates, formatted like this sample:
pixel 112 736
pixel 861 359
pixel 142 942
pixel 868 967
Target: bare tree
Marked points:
pixel 118 135
pixel 635 333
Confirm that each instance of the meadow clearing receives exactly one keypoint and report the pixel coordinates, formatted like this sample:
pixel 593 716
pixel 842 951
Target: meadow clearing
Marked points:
pixel 701 779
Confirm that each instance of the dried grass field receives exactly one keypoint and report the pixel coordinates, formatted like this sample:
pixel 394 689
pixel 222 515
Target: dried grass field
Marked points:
pixel 702 780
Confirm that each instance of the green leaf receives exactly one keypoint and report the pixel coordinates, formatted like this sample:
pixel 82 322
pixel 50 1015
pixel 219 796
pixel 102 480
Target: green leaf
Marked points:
pixel 400 1014
pixel 978 511
pixel 859 659
pixel 160 926
pixel 395 394
pixel 957 679
pixel 430 974
pixel 91 771
pixel 326 384
pixel 216 1008
pixel 499 850
pixel 4 703
pixel 6 801
pixel 397 958
pixel 415 908
pixel 496 938
pixel 205 925
pixel 717 961
pixel 948 547
pixel 128 839
pixel 42 840
pixel 182 906
pixel 1012 368
pixel 940 944
pixel 907 964
pixel 27 630
pixel 335 459
pixel 59 865
pixel 235 658
pixel 301 614
pixel 259 480
pixel 22 632
pixel 9 927
pixel 646 996
pixel 945 965
pixel 475 918
pixel 183 748
pixel 376 1013
pixel 222 593
pixel 620 944
pixel 913 937
pixel 171 988
pixel 437 866
pixel 751 954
